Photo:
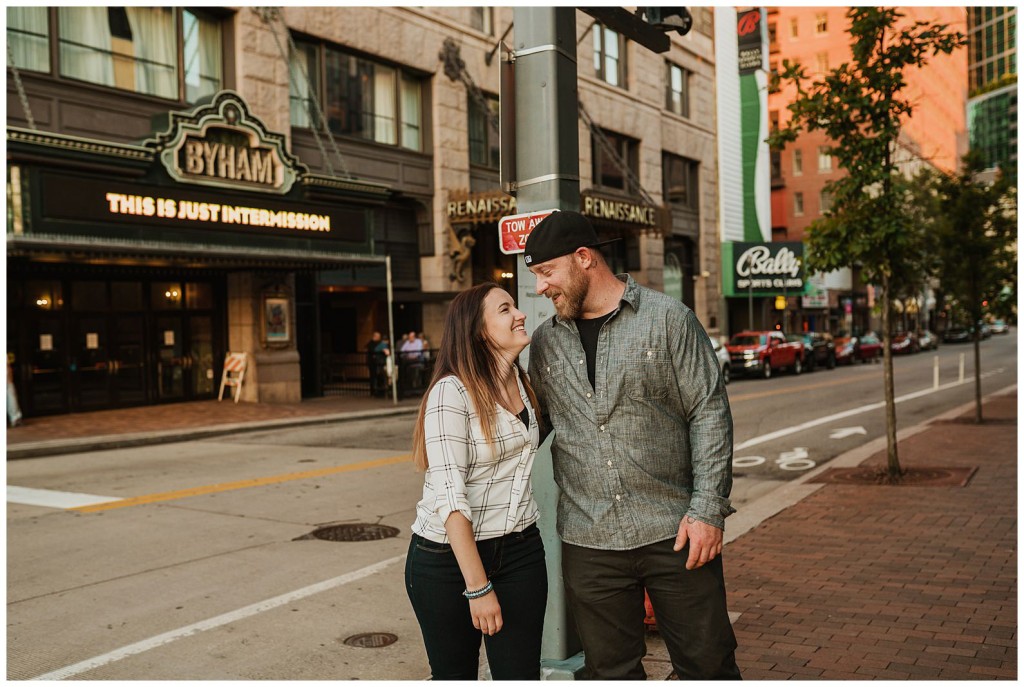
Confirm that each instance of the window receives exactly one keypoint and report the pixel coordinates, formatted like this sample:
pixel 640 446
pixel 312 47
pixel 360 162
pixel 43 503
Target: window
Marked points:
pixel 793 23
pixel 28 35
pixel 680 180
pixel 773 120
pixel 798 163
pixel 678 95
pixel 484 146
pixel 360 97
pixel 821 61
pixel 821 23
pixel 137 49
pixel 775 158
pixel 606 170
pixel 774 82
pixel 825 201
pixel 798 204
pixel 824 159
pixel 482 19
pixel 609 56
pixel 772 34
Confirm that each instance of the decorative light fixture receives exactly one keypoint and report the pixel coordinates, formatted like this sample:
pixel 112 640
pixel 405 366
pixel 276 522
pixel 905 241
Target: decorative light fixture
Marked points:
pixel 507 275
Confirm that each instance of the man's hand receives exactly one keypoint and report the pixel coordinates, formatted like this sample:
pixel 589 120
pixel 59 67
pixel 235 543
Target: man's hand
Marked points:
pixel 705 541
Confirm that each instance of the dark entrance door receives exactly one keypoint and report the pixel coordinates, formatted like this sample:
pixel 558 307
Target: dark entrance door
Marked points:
pixel 96 343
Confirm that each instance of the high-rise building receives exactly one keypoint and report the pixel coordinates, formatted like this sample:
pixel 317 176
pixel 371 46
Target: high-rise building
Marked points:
pixel 934 134
pixel 992 75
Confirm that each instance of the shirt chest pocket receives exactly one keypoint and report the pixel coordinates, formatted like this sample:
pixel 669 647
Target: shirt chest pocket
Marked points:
pixel 646 374
pixel 556 385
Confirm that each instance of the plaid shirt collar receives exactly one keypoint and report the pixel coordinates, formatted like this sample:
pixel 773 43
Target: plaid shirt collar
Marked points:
pixel 631 296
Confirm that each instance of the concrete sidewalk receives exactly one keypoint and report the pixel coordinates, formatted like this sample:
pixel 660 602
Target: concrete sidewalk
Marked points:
pixel 108 429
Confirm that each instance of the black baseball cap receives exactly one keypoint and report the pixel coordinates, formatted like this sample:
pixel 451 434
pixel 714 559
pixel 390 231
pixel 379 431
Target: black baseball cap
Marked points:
pixel 560 233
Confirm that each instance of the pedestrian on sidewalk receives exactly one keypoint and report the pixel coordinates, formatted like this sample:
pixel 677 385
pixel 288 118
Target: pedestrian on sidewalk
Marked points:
pixel 642 454
pixel 13 407
pixel 475 567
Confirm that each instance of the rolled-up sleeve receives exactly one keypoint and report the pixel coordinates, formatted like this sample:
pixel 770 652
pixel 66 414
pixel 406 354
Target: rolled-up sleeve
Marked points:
pixel 447 433
pixel 709 419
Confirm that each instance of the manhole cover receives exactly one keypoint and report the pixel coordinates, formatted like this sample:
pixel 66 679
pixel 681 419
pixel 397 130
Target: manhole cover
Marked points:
pixel 356 531
pixel 371 640
pixel 913 477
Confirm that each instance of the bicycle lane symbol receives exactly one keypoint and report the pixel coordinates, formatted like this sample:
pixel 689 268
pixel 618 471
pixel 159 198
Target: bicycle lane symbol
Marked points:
pixel 795 460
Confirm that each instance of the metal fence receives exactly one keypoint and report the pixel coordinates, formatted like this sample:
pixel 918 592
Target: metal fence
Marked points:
pixel 355 374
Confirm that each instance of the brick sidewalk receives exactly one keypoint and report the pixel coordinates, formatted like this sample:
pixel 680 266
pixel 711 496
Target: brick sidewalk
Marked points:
pixel 877 582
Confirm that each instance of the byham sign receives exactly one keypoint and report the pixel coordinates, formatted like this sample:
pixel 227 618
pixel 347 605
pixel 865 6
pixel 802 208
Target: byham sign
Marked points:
pixel 222 144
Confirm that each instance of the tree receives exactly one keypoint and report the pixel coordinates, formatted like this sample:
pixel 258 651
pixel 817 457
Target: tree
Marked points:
pixel 860 107
pixel 976 234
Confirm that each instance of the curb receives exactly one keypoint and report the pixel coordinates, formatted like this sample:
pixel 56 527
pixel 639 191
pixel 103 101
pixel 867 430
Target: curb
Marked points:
pixel 56 447
pixel 792 493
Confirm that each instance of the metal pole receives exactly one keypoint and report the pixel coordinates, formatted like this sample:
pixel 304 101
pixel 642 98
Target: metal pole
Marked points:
pixel 547 161
pixel 391 332
pixel 961 368
pixel 935 373
pixel 750 305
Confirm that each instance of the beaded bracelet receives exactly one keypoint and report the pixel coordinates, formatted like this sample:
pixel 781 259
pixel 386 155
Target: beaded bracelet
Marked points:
pixel 483 591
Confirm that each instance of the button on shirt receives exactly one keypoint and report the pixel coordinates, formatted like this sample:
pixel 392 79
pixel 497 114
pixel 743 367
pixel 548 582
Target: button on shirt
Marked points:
pixel 651 441
pixel 488 482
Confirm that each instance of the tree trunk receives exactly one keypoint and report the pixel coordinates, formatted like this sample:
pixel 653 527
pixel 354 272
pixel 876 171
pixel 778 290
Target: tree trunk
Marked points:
pixel 894 470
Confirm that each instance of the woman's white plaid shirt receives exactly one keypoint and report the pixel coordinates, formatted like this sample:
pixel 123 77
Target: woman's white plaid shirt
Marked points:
pixel 489 483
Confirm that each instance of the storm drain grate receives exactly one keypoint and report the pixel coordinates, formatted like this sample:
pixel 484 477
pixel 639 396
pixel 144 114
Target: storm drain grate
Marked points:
pixel 912 477
pixel 356 531
pixel 371 640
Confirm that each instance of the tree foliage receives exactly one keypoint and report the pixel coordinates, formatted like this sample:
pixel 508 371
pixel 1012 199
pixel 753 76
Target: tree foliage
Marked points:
pixel 975 230
pixel 860 106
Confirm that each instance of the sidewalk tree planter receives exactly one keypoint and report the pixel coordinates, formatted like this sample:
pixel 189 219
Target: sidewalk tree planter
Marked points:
pixel 859 105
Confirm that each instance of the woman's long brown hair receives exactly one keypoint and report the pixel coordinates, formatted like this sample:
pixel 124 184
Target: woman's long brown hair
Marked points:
pixel 466 353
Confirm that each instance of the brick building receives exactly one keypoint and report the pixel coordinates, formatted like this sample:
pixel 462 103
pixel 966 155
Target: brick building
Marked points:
pixel 185 183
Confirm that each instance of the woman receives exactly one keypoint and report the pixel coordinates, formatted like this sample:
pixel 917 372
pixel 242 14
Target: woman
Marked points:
pixel 476 562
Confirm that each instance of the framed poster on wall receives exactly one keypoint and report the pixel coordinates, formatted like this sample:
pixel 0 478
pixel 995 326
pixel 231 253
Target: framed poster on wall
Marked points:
pixel 277 319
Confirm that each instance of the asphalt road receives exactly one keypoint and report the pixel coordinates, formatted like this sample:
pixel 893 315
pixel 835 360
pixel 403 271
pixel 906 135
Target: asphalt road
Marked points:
pixel 200 569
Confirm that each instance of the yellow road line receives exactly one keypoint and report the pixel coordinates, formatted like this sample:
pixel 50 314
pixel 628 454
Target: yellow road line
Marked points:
pixel 793 390
pixel 241 484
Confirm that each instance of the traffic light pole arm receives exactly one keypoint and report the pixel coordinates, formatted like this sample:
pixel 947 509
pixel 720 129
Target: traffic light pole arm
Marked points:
pixel 630 26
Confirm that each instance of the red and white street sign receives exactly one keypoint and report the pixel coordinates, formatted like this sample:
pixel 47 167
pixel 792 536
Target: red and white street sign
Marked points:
pixel 514 229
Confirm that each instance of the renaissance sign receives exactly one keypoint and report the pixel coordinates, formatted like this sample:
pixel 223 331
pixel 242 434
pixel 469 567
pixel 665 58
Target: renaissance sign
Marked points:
pixel 222 144
pixel 764 268
pixel 491 207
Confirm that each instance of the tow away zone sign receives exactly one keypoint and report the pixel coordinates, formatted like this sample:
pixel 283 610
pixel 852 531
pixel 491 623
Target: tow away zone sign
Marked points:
pixel 514 229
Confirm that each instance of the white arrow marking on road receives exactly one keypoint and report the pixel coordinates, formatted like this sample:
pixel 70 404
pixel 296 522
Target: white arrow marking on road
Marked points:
pixel 844 432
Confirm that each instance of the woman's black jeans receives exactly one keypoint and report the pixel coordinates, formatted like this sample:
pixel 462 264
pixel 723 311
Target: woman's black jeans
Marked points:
pixel 515 564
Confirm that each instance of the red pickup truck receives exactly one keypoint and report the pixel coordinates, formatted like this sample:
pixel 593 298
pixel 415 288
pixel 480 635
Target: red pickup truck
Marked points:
pixel 762 353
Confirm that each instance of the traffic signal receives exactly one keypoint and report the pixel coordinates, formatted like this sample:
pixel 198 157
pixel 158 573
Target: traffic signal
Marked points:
pixel 676 19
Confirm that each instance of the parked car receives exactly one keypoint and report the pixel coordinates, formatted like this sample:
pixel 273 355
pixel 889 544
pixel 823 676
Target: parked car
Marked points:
pixel 862 348
pixel 723 358
pixel 999 327
pixel 762 353
pixel 819 349
pixel 927 341
pixel 905 342
pixel 986 331
pixel 957 335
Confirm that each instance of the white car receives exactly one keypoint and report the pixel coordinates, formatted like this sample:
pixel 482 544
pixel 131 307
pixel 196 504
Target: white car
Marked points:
pixel 723 357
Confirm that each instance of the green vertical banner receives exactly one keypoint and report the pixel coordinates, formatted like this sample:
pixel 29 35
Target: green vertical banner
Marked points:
pixel 752 45
pixel 750 135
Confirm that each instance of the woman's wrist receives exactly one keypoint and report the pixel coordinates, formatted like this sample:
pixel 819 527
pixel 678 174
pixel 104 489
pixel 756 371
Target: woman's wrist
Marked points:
pixel 478 592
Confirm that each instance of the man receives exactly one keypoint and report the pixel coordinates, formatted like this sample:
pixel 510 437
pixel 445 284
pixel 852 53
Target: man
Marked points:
pixel 412 360
pixel 643 456
pixel 376 353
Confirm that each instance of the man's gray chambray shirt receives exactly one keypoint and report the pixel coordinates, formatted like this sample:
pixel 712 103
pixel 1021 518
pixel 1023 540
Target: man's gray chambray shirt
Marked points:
pixel 652 440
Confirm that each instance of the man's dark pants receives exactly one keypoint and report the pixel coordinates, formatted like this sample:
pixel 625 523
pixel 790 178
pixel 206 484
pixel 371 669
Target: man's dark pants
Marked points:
pixel 605 591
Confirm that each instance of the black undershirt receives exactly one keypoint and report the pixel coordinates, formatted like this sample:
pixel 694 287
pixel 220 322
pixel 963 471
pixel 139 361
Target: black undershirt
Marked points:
pixel 589 331
pixel 524 416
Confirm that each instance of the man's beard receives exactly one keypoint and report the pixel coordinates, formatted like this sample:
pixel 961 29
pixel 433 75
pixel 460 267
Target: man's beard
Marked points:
pixel 570 305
